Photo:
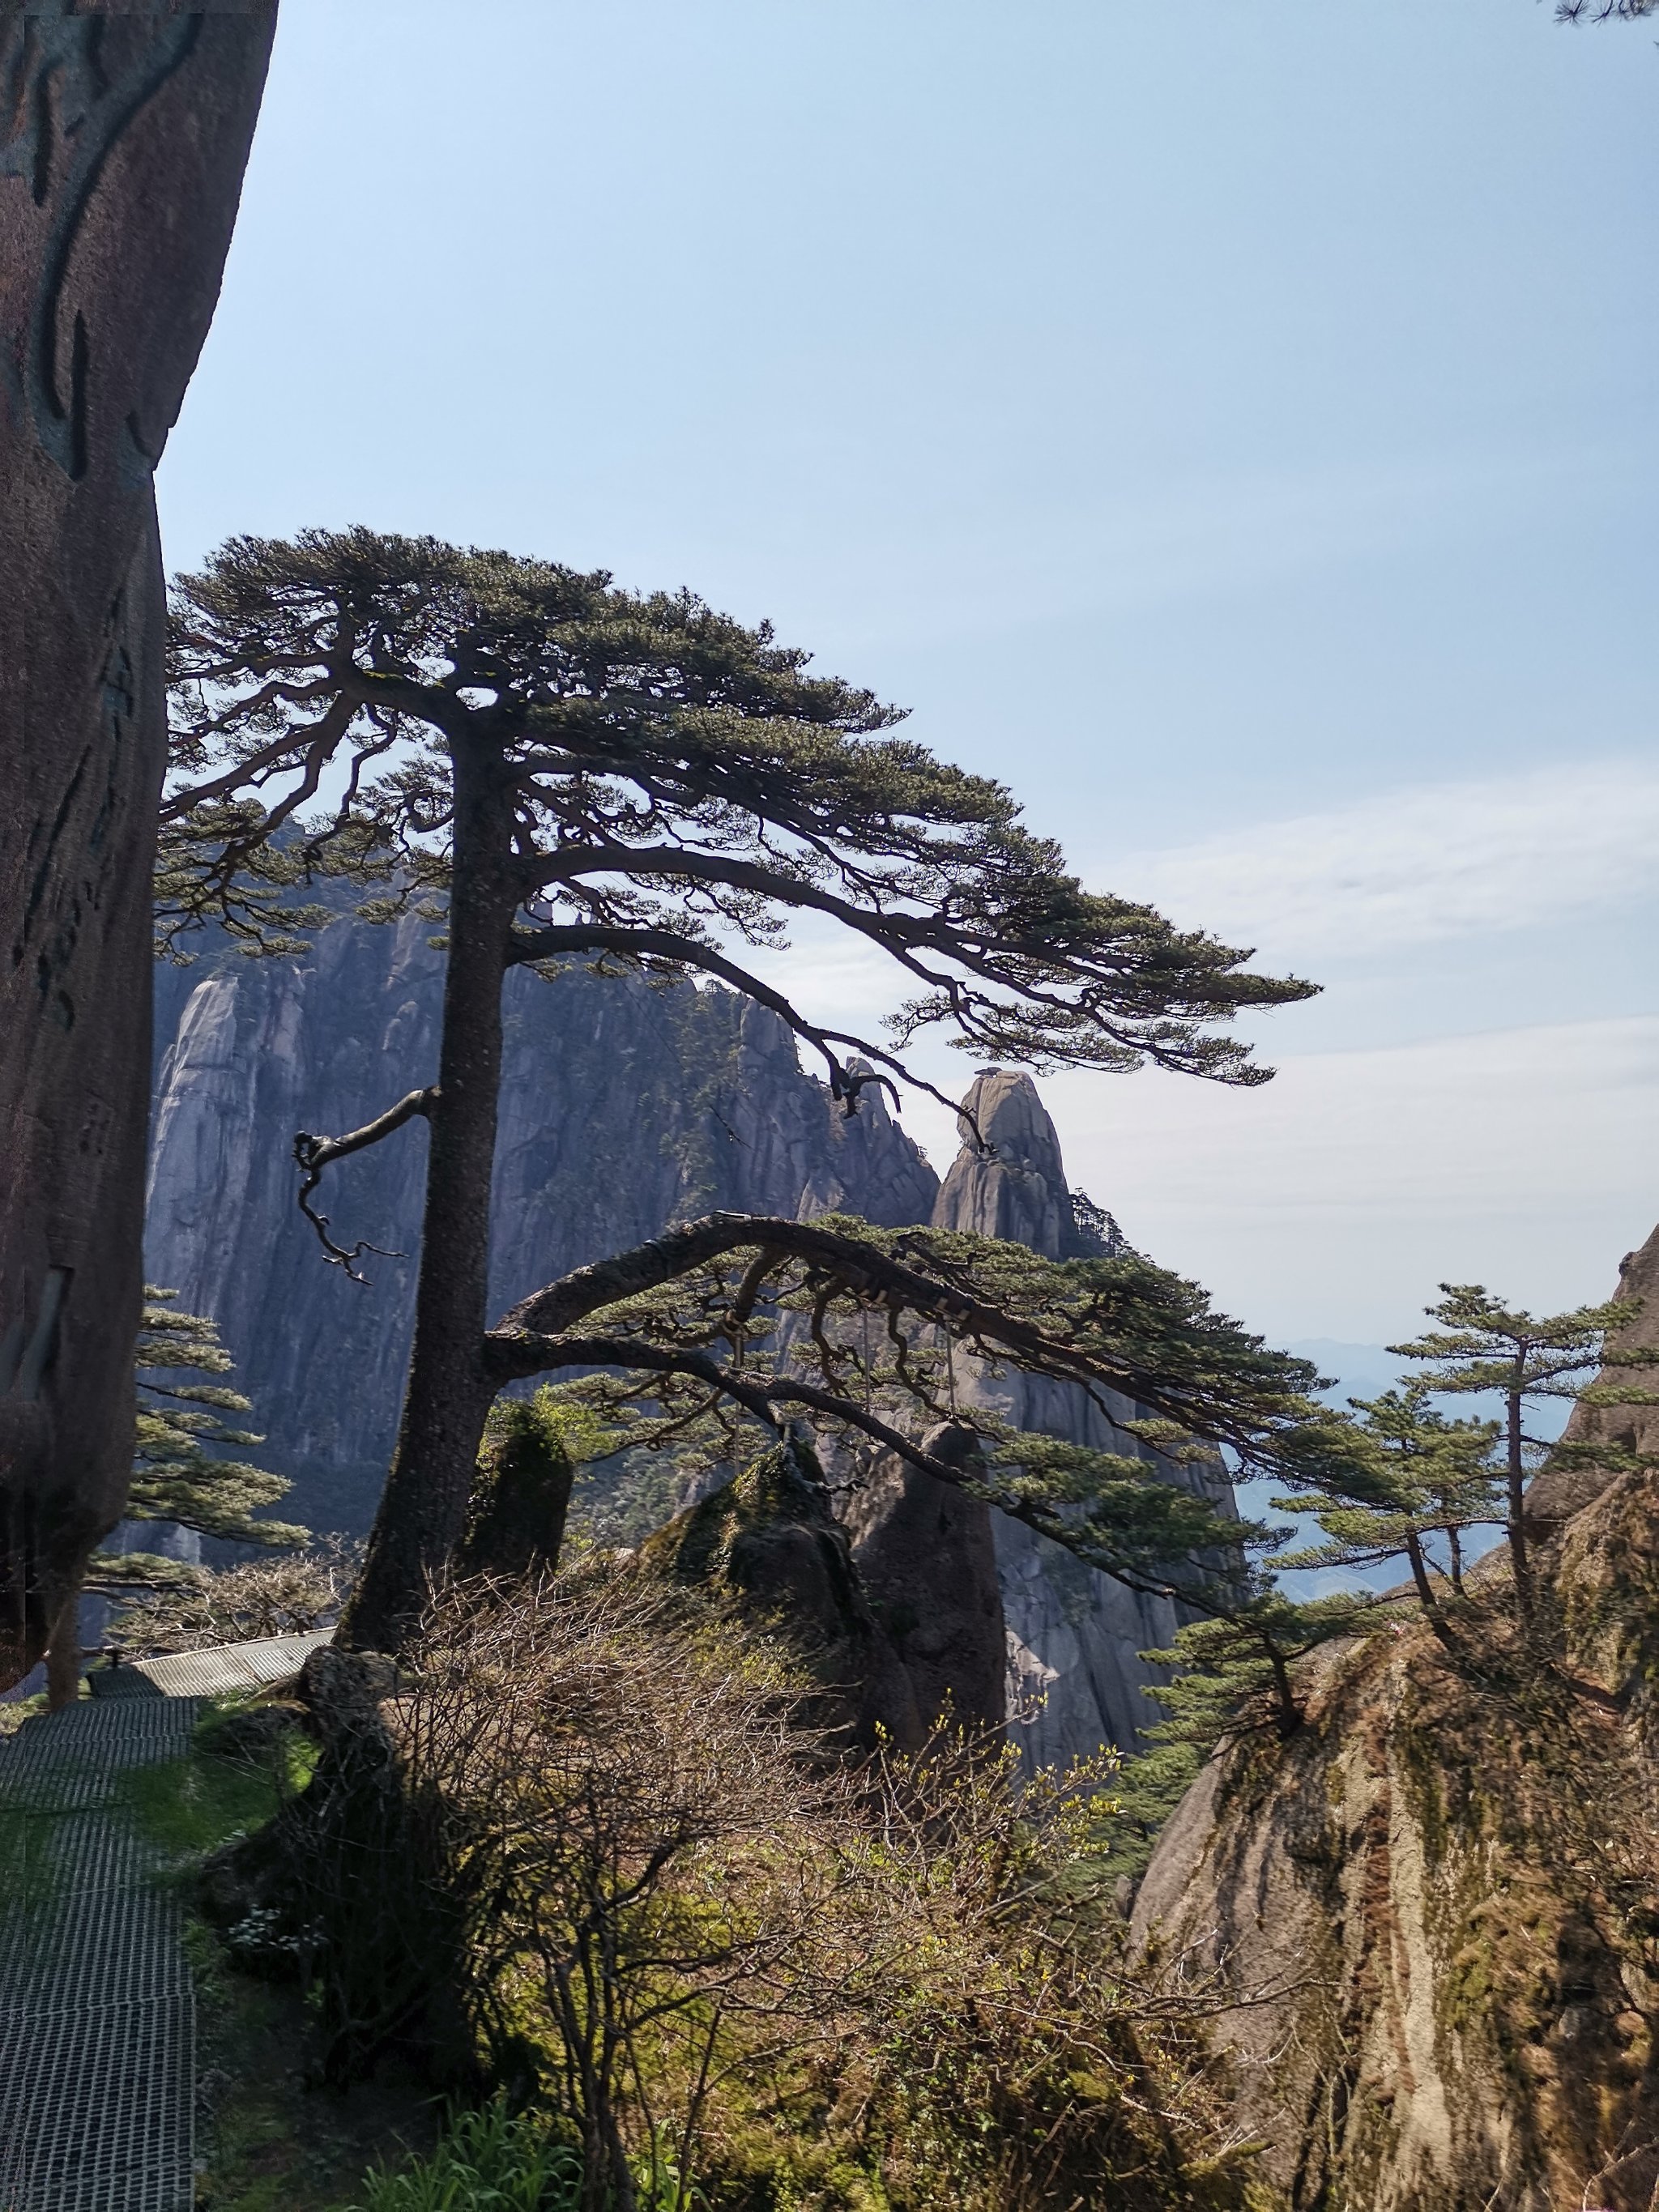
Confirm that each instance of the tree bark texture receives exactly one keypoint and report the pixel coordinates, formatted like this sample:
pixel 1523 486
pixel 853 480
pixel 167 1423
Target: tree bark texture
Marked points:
pixel 1517 1526
pixel 422 1513
pixel 124 134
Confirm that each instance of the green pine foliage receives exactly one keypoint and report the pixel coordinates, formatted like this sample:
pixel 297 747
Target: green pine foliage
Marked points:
pixel 1231 1680
pixel 679 780
pixel 1401 1482
pixel 1483 1346
pixel 180 1473
pixel 1432 1478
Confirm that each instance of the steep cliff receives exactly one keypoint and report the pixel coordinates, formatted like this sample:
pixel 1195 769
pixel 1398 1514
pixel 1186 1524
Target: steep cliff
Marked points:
pixel 625 1106
pixel 122 137
pixel 1559 1492
pixel 1074 1637
pixel 1441 1896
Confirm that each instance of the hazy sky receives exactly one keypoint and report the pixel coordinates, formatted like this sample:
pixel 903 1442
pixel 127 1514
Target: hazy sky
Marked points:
pixel 1231 423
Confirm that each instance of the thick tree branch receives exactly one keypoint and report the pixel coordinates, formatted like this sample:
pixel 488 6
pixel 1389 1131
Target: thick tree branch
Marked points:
pixel 951 1452
pixel 864 1271
pixel 1008 958
pixel 313 744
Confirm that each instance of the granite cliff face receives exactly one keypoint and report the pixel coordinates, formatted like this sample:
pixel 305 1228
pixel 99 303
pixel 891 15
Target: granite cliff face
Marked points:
pixel 945 1566
pixel 1440 1896
pixel 1559 1492
pixel 123 136
pixel 625 1107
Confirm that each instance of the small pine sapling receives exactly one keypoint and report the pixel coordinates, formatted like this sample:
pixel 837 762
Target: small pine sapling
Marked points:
pixel 1483 1346
pixel 1430 1477
pixel 179 1475
pixel 1232 1678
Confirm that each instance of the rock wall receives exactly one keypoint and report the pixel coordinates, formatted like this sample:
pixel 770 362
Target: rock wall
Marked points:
pixel 1071 1637
pixel 1558 1492
pixel 625 1107
pixel 123 136
pixel 1439 1900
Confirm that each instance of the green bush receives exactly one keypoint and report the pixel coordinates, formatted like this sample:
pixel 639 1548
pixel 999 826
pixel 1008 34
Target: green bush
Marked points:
pixel 488 2161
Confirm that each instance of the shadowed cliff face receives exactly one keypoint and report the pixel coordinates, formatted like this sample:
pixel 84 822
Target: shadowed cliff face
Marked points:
pixel 1007 1619
pixel 623 1107
pixel 123 136
pixel 767 1545
pixel 1446 1887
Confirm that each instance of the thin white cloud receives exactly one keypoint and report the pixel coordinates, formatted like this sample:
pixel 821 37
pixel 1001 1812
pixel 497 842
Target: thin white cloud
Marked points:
pixel 1418 865
pixel 1332 1202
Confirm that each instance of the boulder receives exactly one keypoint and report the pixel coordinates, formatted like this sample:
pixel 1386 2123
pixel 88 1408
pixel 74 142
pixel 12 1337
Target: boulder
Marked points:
pixel 768 1544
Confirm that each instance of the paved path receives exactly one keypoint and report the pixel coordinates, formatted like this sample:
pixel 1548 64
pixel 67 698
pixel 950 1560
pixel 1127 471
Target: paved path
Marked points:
pixel 223 1667
pixel 97 2020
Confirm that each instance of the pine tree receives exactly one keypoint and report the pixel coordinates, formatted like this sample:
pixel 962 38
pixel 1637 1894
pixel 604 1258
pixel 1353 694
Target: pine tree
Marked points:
pixel 1430 1477
pixel 1483 1345
pixel 179 1475
pixel 1232 1677
pixel 634 782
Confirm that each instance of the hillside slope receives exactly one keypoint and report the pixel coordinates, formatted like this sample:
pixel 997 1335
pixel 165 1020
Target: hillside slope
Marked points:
pixel 1438 1904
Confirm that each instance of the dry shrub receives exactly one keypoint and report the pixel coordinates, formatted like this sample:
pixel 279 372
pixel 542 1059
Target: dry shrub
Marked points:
pixel 286 1595
pixel 744 1972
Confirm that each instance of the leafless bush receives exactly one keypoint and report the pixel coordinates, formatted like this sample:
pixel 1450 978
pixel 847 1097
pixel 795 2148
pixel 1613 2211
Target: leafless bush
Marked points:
pixel 285 1596
pixel 721 1954
pixel 645 1864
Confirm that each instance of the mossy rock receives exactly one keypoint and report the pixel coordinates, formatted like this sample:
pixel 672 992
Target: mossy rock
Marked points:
pixel 767 1545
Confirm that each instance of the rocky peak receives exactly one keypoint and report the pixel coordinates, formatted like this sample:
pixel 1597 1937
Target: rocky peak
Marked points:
pixel 1009 1179
pixel 967 1593
pixel 767 1545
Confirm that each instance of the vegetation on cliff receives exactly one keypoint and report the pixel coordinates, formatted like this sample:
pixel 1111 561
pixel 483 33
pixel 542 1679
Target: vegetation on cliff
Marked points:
pixel 584 1846
pixel 1457 1850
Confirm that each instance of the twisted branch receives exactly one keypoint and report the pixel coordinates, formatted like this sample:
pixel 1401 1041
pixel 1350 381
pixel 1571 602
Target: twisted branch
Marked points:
pixel 313 1154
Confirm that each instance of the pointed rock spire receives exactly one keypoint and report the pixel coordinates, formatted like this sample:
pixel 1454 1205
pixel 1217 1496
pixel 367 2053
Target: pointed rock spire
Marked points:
pixel 1009 1179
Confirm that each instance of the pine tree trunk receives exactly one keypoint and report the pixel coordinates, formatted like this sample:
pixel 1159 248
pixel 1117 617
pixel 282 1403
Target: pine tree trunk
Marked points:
pixel 1426 1597
pixel 1290 1712
pixel 1516 1523
pixel 422 1514
pixel 64 1656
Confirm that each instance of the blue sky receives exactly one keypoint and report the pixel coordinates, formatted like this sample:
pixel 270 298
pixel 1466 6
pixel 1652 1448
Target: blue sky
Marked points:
pixel 1232 424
